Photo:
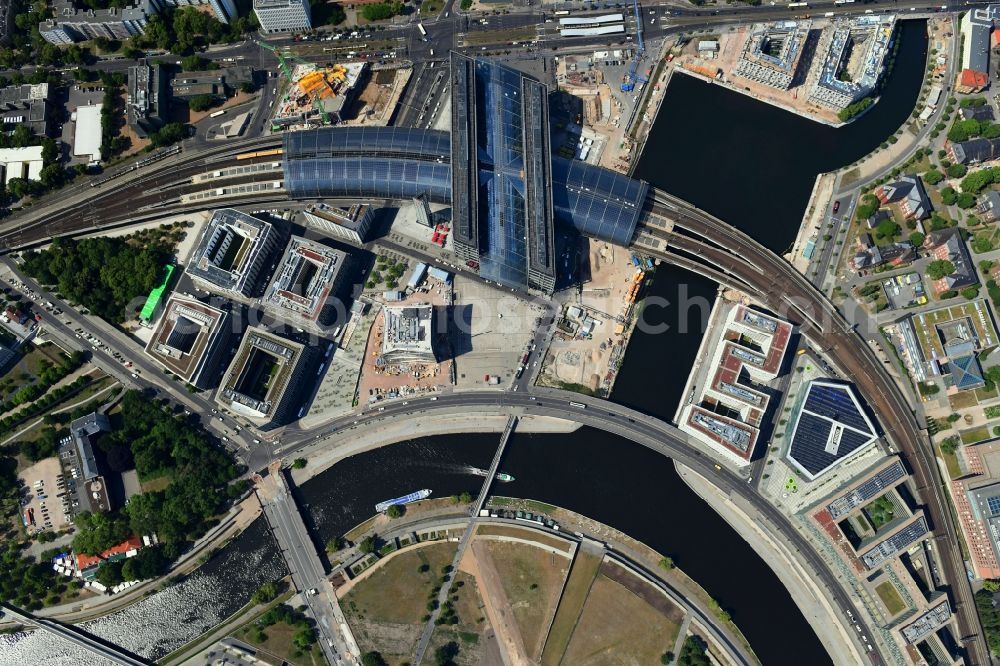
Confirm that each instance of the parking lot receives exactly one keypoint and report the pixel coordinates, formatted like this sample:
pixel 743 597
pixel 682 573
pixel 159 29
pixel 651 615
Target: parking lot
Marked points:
pixel 904 291
pixel 46 500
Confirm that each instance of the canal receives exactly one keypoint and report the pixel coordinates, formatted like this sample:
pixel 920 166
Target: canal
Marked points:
pixel 748 163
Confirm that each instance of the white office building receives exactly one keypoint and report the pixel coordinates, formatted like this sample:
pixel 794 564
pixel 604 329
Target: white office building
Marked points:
pixel 283 15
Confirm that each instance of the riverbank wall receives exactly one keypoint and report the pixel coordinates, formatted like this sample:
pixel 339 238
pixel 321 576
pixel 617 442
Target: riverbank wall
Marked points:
pixel 827 621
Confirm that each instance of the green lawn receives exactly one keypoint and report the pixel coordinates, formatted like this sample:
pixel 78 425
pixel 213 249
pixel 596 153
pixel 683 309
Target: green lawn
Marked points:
pixel 880 511
pixel 974 435
pixel 889 595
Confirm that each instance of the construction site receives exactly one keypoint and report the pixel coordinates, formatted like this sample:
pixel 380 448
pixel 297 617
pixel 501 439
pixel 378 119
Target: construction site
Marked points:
pixel 595 323
pixel 336 93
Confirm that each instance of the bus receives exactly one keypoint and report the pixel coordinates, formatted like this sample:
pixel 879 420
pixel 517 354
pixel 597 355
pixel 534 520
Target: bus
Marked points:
pixel 423 32
pixel 564 12
pixel 218 113
pixel 793 5
pixel 578 405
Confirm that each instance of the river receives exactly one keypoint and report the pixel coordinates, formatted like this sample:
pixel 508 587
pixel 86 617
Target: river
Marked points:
pixel 737 158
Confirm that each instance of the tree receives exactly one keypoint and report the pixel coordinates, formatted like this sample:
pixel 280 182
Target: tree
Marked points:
pixel 867 207
pixel 373 659
pixel 194 63
pixel 949 196
pixel 855 109
pixel 97 532
pixel 265 593
pixel 917 239
pixel 667 658
pixel 381 10
pixel 367 545
pixel 110 574
pixel 464 498
pixel 933 177
pixel 445 654
pixel 394 511
pixel 966 200
pixel 666 563
pixel 991 585
pixel 168 134
pixel 298 463
pixel 694 652
pixel 887 229
pixel 940 268
pixel 957 170
pixel 202 102
pixel 970 293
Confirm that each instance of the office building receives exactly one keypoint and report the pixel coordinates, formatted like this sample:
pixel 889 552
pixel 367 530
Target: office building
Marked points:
pixel 224 10
pixel 283 15
pixel 147 104
pixel 502 208
pixel 233 250
pixel 189 340
pixel 265 373
pixel 26 104
pixel 76 25
pixel 828 426
pixel 92 492
pixel 350 224
pixel 308 275
pixel 744 354
pixel 408 335
pixel 772 53
pixel 854 52
pixel 220 83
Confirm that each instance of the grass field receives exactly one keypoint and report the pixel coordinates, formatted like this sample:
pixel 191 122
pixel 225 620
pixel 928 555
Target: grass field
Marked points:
pixel 279 644
pixel 974 435
pixel 532 579
pixel 889 595
pixel 396 591
pixel 520 533
pixel 471 613
pixel 963 400
pixel 880 511
pixel 619 627
pixel 581 577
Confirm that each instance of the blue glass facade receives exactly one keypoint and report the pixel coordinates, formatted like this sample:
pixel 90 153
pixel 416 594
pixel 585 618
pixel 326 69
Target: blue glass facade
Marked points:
pixel 508 193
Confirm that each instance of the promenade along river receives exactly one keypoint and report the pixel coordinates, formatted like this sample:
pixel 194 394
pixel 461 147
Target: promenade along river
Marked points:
pixel 750 164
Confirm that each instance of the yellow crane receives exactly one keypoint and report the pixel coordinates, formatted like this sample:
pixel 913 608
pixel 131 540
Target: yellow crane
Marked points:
pixel 282 61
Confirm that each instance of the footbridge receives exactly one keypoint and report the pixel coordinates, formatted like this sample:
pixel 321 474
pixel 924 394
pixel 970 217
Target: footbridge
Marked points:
pixel 96 646
pixel 598 204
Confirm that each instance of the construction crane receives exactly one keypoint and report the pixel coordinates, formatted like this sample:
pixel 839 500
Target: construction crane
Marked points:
pixel 632 77
pixel 283 63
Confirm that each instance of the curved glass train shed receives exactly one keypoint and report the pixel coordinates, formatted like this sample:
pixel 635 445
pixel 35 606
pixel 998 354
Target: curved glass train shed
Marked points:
pixel 401 163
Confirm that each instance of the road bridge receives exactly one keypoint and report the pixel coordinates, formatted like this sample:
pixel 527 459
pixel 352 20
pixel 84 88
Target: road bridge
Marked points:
pixel 696 241
pixel 644 429
pixel 308 573
pixel 79 637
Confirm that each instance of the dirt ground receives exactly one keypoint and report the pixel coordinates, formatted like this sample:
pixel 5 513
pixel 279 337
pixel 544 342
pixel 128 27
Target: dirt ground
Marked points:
pixel 532 581
pixel 619 627
pixel 411 378
pixel 479 564
pixel 575 360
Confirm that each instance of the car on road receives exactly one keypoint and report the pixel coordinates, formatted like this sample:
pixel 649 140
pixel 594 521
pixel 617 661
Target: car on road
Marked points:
pixel 836 206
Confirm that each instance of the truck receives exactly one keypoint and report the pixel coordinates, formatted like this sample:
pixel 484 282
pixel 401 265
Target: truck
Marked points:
pixel 493 379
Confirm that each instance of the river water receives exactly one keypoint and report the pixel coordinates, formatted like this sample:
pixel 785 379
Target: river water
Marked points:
pixel 748 163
